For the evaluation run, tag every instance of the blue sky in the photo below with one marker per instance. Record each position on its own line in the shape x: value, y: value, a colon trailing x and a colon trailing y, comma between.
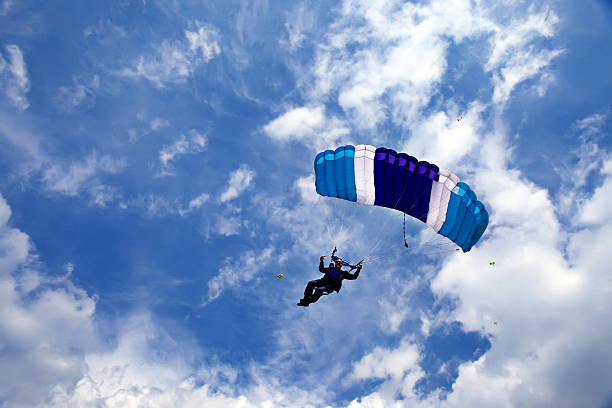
x: 156, y: 175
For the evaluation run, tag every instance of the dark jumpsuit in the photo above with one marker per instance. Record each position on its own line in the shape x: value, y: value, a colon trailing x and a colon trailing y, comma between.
x: 332, y: 281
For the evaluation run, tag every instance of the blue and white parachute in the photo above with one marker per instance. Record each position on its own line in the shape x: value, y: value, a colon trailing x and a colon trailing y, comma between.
x: 383, y: 177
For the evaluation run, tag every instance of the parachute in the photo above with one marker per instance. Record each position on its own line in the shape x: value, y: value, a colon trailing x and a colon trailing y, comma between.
x: 382, y: 177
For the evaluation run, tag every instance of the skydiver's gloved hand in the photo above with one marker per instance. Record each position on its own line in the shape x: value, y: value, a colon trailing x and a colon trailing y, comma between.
x: 321, y: 258
x: 359, y: 267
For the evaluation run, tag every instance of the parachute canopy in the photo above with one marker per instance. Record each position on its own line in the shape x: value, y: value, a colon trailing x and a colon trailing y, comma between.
x: 383, y: 177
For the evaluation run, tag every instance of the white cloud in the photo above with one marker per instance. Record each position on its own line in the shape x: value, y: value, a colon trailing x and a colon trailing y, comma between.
x: 596, y: 210
x: 588, y: 158
x: 228, y: 225
x: 296, y: 37
x: 237, y: 271
x: 14, y: 77
x: 441, y: 139
x: 309, y: 125
x: 544, y: 297
x: 195, y: 203
x: 195, y: 142
x: 102, y: 194
x: 518, y: 33
x: 383, y: 363
x: 174, y: 62
x: 296, y: 123
x: 592, y: 125
x: 72, y: 179
x: 239, y: 180
x: 514, y: 60
x: 45, y: 323
x: 52, y: 355
x: 520, y: 67
x: 306, y: 187
x: 71, y: 97
x: 137, y: 373
x: 398, y: 367
x: 534, y: 290
x: 384, y: 61
x: 159, y: 123
x: 299, y: 27
x: 205, y: 40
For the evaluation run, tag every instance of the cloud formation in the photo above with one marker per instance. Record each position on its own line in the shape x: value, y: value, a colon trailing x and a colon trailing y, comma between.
x: 174, y: 62
x: 52, y: 354
x: 46, y: 323
x: 383, y: 62
x: 237, y: 271
x: 239, y: 180
x: 71, y: 97
x: 195, y: 142
x: 14, y: 80
x: 195, y: 203
x: 76, y: 177
x: 306, y: 124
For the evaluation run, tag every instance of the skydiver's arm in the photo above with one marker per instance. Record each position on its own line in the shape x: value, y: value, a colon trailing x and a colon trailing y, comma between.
x: 321, y: 266
x: 351, y: 276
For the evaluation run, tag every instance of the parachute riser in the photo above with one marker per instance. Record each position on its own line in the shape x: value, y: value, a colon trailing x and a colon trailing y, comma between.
x: 344, y: 263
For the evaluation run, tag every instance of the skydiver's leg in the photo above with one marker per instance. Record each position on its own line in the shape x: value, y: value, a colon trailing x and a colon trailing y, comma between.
x: 320, y: 291
x: 311, y: 286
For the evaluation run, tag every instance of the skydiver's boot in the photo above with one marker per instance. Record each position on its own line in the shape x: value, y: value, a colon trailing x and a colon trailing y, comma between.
x: 303, y: 302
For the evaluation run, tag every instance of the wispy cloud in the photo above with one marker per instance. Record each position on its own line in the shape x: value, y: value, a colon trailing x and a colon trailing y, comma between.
x: 195, y: 142
x: 70, y: 179
x: 71, y: 97
x: 228, y: 226
x: 14, y: 77
x: 195, y: 203
x: 299, y: 27
x: 159, y: 123
x: 515, y: 59
x: 237, y: 271
x: 174, y: 62
x: 587, y: 158
x: 523, y: 65
x: 239, y: 180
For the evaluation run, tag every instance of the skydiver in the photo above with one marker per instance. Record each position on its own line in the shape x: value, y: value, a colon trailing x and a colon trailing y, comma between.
x: 331, y: 281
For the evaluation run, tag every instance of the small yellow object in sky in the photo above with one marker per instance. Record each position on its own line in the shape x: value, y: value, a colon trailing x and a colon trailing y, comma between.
x: 459, y: 118
x: 280, y: 275
x: 492, y: 263
x: 495, y: 322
